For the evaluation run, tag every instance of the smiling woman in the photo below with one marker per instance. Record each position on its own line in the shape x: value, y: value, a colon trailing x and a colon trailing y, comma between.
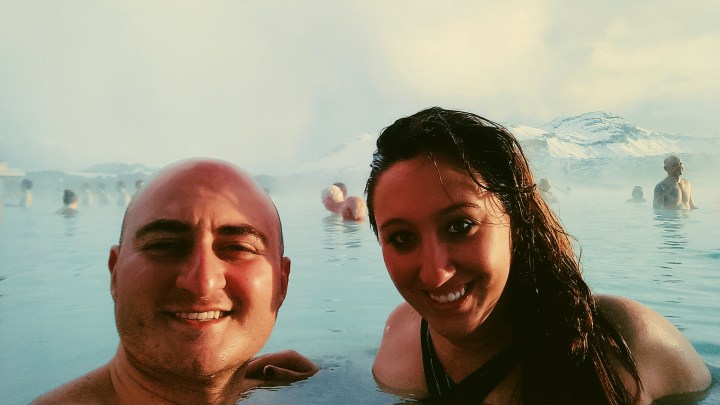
x: 496, y: 309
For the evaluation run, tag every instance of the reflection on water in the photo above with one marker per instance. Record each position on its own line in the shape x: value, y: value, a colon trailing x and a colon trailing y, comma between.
x: 673, y: 241
x: 339, y: 234
x: 339, y: 293
x: 70, y: 225
x: 671, y: 225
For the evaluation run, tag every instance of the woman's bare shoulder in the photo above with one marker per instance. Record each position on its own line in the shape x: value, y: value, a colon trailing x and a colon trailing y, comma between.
x: 398, y: 363
x: 94, y: 387
x: 667, y: 362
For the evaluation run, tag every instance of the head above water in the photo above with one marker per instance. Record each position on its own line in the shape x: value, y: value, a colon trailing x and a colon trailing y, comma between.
x: 342, y: 188
x: 673, y: 165
x: 332, y: 198
x: 637, y: 192
x: 354, y: 209
x: 488, y: 152
x: 199, y: 274
x: 69, y: 197
x: 543, y: 265
x: 544, y: 184
x: 182, y: 171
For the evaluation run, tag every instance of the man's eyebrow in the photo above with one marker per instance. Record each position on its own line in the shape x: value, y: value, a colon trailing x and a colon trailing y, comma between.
x: 234, y: 230
x: 163, y: 225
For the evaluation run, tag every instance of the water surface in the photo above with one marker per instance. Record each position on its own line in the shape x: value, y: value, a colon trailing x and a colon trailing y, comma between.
x: 56, y: 316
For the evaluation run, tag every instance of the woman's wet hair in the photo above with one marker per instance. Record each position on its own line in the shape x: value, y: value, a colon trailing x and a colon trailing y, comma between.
x: 570, y: 346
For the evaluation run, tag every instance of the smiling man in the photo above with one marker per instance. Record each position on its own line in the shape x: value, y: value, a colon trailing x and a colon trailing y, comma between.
x: 197, y: 279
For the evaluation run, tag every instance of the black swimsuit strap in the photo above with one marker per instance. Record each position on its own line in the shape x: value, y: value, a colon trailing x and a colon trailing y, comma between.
x: 474, y: 387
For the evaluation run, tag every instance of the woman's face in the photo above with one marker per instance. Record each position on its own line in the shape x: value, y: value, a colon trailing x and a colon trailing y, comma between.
x: 445, y: 241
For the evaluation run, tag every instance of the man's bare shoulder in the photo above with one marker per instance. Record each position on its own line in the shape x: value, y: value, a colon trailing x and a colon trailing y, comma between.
x: 92, y: 388
x: 663, y: 185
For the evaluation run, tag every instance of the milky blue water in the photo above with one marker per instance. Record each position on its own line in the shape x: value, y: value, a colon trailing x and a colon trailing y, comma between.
x: 56, y: 318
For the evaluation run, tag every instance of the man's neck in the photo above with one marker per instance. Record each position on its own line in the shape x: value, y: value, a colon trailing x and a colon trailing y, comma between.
x: 132, y: 385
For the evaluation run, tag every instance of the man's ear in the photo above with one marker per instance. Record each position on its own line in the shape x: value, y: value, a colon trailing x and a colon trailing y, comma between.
x: 284, y: 278
x: 112, y: 262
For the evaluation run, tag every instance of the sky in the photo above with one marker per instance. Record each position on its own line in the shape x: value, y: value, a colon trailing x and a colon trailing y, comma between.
x: 271, y: 84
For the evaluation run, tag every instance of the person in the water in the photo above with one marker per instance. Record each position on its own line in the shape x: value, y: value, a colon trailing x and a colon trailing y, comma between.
x: 26, y: 199
x: 123, y: 196
x: 197, y: 280
x: 354, y: 209
x: 336, y: 200
x: 70, y: 204
x: 496, y: 310
x: 673, y: 192
x: 332, y: 198
x: 637, y: 195
x: 544, y: 187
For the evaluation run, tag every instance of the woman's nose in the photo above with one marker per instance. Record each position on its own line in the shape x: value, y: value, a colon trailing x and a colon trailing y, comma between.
x: 436, y: 267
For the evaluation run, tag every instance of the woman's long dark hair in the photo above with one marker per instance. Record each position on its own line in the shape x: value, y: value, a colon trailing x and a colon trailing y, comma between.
x: 571, y: 348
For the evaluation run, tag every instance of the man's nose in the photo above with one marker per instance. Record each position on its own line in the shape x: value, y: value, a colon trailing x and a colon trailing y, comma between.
x: 203, y: 272
x: 436, y: 267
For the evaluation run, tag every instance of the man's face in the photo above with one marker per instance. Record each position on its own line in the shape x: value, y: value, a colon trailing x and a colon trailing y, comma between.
x: 199, y: 277
x: 674, y: 167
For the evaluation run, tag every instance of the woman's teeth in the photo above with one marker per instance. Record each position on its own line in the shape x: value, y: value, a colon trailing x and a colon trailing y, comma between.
x: 450, y: 297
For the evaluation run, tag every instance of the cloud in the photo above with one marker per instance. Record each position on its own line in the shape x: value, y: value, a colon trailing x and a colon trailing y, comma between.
x: 631, y: 63
x: 271, y: 84
x: 488, y: 53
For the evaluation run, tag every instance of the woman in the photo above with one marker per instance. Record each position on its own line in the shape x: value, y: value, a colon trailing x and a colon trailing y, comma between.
x: 496, y: 310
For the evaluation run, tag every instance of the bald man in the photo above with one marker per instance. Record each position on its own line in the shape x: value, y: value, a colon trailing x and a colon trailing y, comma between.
x: 672, y: 192
x: 197, y: 280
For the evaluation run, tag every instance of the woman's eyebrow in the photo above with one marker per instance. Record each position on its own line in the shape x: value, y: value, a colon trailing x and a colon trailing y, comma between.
x: 391, y: 222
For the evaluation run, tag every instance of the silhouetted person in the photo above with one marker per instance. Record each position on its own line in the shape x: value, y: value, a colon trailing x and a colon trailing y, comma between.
x: 26, y: 198
x: 637, y: 195
x: 70, y: 204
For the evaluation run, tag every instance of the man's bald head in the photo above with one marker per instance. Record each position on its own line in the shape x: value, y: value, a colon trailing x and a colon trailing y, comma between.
x: 671, y: 161
x: 191, y: 176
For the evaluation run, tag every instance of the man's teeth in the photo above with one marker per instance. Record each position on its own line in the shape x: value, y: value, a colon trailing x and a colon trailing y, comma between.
x: 450, y: 297
x: 199, y: 316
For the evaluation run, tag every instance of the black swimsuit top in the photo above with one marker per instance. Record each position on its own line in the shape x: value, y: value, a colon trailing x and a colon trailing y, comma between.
x: 475, y: 387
